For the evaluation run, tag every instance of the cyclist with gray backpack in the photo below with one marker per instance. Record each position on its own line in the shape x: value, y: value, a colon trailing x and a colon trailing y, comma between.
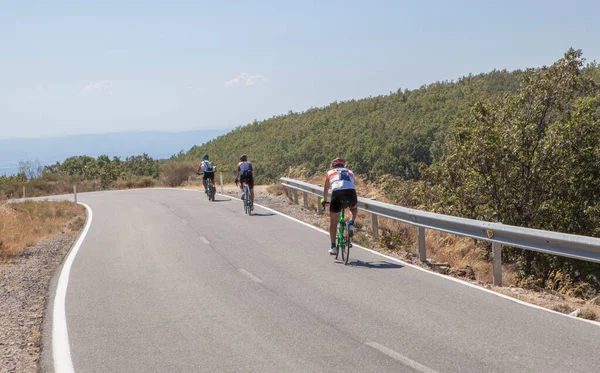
x: 208, y: 168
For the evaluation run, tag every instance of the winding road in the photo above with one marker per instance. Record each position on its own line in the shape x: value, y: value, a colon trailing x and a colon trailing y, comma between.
x: 166, y: 281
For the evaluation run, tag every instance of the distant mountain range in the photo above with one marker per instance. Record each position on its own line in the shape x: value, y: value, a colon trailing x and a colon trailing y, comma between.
x: 158, y: 145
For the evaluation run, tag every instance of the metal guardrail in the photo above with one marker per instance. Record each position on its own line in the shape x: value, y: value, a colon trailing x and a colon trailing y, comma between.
x: 563, y: 244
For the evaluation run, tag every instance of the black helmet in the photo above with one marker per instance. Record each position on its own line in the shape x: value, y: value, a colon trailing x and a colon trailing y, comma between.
x: 205, y: 156
x: 244, y: 158
x: 338, y: 162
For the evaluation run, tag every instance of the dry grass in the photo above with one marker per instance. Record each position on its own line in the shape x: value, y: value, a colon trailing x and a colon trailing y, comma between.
x: 24, y: 224
x: 275, y: 189
x: 554, y: 300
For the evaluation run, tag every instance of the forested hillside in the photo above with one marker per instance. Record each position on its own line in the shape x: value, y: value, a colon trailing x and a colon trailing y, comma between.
x: 390, y: 134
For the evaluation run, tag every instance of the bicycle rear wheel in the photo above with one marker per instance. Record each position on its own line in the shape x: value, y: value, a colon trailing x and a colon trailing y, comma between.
x: 346, y: 248
x: 212, y: 192
x: 247, y: 206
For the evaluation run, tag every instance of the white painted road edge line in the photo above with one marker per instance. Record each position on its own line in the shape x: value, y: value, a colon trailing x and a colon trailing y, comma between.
x: 401, y: 358
x: 450, y: 278
x: 61, y: 352
x: 249, y: 275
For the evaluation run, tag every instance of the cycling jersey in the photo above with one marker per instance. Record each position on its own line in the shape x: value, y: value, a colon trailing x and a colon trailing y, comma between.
x: 245, y: 168
x: 341, y: 179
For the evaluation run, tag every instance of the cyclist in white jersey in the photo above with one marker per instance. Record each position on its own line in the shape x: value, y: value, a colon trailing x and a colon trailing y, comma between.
x: 208, y: 169
x: 343, y: 194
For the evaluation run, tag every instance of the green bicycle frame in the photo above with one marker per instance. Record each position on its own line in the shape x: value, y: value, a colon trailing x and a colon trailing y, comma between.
x: 341, y: 228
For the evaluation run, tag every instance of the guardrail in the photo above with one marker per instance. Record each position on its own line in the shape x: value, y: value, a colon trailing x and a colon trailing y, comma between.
x: 498, y: 234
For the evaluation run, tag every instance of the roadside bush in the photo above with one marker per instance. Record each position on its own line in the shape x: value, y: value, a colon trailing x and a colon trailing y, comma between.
x: 175, y: 173
x: 146, y: 182
x: 127, y: 183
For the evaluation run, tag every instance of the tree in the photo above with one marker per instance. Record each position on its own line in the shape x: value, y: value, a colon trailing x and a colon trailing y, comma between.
x: 31, y: 169
x: 82, y: 166
x: 141, y: 165
x: 530, y: 159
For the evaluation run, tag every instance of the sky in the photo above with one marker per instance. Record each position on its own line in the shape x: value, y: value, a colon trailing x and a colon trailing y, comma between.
x: 73, y: 67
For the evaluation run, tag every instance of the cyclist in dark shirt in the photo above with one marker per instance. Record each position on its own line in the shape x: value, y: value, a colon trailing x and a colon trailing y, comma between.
x: 245, y: 174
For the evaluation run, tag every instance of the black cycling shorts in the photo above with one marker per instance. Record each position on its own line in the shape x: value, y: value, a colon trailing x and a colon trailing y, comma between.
x: 248, y: 179
x: 209, y: 175
x: 340, y: 199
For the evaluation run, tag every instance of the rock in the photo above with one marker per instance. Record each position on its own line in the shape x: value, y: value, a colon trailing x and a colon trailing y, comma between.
x: 442, y: 268
x: 466, y: 272
x: 575, y: 313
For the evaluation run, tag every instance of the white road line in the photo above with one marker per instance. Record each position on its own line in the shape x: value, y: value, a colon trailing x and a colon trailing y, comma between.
x: 204, y: 240
x: 61, y: 352
x: 249, y: 275
x: 401, y: 358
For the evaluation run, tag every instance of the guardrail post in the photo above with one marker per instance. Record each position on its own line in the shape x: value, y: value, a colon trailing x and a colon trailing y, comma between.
x: 497, y: 263
x: 319, y: 206
x: 296, y: 196
x: 422, y: 249
x: 375, y: 223
x: 75, y: 193
x: 305, y: 198
x: 221, y: 179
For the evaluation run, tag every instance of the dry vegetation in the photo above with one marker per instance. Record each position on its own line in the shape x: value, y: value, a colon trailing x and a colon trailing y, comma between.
x: 23, y: 225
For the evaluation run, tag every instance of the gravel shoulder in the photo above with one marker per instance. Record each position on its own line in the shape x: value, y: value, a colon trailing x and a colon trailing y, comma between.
x: 23, y: 294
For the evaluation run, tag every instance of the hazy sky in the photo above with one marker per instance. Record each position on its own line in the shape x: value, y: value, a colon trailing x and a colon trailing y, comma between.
x: 70, y: 67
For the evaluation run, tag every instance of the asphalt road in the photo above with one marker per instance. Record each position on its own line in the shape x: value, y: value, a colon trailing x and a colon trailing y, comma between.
x: 166, y: 281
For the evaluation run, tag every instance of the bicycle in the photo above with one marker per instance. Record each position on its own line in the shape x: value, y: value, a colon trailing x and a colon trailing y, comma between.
x: 248, y: 203
x: 343, y: 240
x: 211, y: 189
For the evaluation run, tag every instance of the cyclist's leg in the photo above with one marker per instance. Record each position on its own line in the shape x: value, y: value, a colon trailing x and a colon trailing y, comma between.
x: 354, y: 211
x: 251, y: 187
x: 351, y: 202
x: 333, y: 220
x: 242, y: 181
x: 334, y: 212
x: 204, y: 181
